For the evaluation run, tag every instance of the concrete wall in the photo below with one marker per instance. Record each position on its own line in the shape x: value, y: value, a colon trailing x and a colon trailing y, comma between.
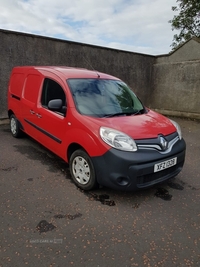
x: 168, y: 83
x: 190, y: 51
x: 177, y: 87
x: 17, y: 49
x: 176, y: 81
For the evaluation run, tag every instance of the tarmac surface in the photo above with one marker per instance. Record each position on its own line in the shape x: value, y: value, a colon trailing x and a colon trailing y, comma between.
x: 47, y: 222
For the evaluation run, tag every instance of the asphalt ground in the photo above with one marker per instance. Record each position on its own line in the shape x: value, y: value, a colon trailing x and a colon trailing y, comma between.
x: 46, y: 221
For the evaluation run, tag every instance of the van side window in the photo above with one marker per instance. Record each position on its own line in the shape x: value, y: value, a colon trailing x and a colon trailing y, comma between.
x: 52, y: 90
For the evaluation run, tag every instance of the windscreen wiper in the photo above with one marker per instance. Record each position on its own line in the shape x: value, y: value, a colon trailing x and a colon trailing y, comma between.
x: 121, y: 114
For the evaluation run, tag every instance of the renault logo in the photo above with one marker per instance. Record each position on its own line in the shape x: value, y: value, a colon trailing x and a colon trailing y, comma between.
x: 163, y: 143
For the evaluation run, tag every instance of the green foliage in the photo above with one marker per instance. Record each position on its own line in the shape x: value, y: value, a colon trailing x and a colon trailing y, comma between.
x: 187, y: 21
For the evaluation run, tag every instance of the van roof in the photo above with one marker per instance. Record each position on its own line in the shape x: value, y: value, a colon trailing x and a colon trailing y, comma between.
x: 68, y: 72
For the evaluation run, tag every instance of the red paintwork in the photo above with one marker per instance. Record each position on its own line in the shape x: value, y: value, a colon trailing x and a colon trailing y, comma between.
x: 76, y: 128
x: 139, y: 126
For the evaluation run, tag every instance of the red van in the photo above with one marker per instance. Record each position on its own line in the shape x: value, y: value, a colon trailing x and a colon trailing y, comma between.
x: 97, y: 124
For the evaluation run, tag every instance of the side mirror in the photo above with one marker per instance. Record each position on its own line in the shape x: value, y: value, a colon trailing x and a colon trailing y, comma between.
x: 55, y: 105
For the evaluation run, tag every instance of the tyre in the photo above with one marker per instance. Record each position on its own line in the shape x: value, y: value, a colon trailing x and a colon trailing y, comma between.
x: 14, y: 127
x: 82, y: 170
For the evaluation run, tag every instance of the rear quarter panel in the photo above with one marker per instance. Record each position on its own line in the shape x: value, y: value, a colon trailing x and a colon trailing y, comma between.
x: 15, y: 88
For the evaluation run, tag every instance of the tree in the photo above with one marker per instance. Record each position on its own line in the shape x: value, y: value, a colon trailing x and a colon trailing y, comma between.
x: 187, y: 21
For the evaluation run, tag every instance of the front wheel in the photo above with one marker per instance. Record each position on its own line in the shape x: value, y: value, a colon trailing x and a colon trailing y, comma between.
x: 82, y: 170
x: 14, y: 126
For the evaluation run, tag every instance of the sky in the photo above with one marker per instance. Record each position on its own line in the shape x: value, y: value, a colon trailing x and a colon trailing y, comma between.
x: 132, y: 25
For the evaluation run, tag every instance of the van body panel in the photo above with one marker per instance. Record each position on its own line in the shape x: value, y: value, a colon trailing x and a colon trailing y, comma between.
x: 14, y: 96
x: 120, y: 150
x: 32, y: 85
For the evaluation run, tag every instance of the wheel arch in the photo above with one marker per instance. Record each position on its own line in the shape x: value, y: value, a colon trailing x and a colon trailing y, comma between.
x: 73, y: 147
x: 10, y: 112
x: 81, y: 139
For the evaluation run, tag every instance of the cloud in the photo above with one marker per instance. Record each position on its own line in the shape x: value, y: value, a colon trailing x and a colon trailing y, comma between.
x: 133, y: 25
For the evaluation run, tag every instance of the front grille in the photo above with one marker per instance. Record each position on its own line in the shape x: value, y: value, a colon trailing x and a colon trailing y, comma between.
x: 155, y: 143
x: 153, y: 178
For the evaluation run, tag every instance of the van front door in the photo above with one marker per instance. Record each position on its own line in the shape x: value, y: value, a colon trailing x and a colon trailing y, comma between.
x: 51, y: 125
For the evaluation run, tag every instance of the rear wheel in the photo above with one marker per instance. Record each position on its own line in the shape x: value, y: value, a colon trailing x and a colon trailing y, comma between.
x: 14, y: 126
x: 82, y: 170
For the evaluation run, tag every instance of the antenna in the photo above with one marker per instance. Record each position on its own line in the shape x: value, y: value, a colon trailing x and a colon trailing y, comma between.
x: 98, y: 75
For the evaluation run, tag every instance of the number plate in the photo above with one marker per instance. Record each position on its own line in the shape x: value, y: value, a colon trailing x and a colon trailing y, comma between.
x: 165, y: 164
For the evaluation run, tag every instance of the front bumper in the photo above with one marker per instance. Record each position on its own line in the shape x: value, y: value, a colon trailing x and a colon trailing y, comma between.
x: 130, y: 171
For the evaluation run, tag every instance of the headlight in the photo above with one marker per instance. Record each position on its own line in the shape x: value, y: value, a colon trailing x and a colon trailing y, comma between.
x: 117, y: 139
x: 178, y: 128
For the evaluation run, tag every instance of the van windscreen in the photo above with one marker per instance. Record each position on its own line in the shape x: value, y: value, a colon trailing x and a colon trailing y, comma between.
x: 104, y: 98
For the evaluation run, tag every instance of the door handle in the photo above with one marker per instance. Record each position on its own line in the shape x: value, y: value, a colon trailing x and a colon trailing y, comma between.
x: 32, y: 112
x: 38, y: 115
